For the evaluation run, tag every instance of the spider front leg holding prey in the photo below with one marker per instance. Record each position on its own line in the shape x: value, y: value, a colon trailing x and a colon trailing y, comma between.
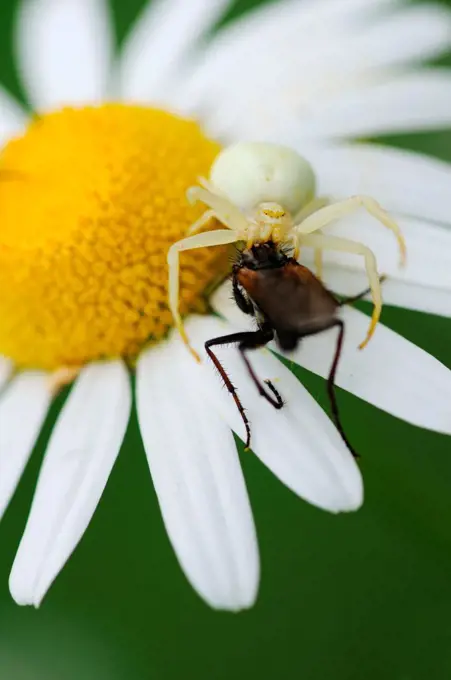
x: 264, y: 195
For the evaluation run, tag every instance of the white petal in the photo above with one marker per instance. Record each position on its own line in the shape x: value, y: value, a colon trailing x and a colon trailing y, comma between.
x: 392, y: 373
x: 271, y: 22
x: 23, y: 408
x: 298, y: 443
x: 402, y: 181
x: 235, y: 56
x: 427, y: 268
x: 411, y: 102
x: 81, y: 453
x: 198, y: 479
x: 411, y: 33
x: 64, y: 50
x: 159, y: 44
x: 395, y: 291
x: 6, y: 369
x: 315, y: 54
x: 13, y: 118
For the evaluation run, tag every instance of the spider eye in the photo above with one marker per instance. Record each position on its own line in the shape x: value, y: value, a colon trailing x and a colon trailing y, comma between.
x: 274, y: 213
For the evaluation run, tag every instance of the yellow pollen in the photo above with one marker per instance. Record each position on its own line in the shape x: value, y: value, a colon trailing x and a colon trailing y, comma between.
x: 90, y: 201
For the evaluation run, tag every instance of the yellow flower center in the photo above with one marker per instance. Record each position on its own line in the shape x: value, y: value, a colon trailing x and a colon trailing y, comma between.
x: 90, y: 201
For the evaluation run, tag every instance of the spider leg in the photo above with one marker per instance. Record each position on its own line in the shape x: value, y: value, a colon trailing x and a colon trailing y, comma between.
x: 335, y: 211
x: 312, y: 207
x: 208, y: 238
x: 347, y: 246
x: 318, y: 257
x: 199, y: 224
x: 225, y: 211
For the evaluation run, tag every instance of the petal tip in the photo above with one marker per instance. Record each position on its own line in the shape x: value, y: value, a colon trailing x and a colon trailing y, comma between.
x: 235, y: 606
x: 23, y: 593
x: 352, y: 501
x: 18, y: 591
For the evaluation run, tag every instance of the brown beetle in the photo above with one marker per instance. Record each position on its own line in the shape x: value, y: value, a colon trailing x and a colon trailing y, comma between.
x: 289, y: 303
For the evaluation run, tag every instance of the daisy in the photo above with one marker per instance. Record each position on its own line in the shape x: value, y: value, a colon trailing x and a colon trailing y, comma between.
x: 92, y: 196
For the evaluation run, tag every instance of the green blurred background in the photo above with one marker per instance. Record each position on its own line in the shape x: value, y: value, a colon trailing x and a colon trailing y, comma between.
x: 362, y: 596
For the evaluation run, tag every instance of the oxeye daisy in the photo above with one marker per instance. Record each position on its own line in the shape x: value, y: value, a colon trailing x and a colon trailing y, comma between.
x: 92, y: 194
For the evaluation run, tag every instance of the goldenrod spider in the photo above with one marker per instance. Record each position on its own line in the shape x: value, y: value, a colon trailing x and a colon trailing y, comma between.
x: 265, y: 192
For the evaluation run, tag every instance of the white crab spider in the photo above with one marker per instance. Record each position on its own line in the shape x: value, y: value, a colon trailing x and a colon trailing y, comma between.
x: 263, y: 192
